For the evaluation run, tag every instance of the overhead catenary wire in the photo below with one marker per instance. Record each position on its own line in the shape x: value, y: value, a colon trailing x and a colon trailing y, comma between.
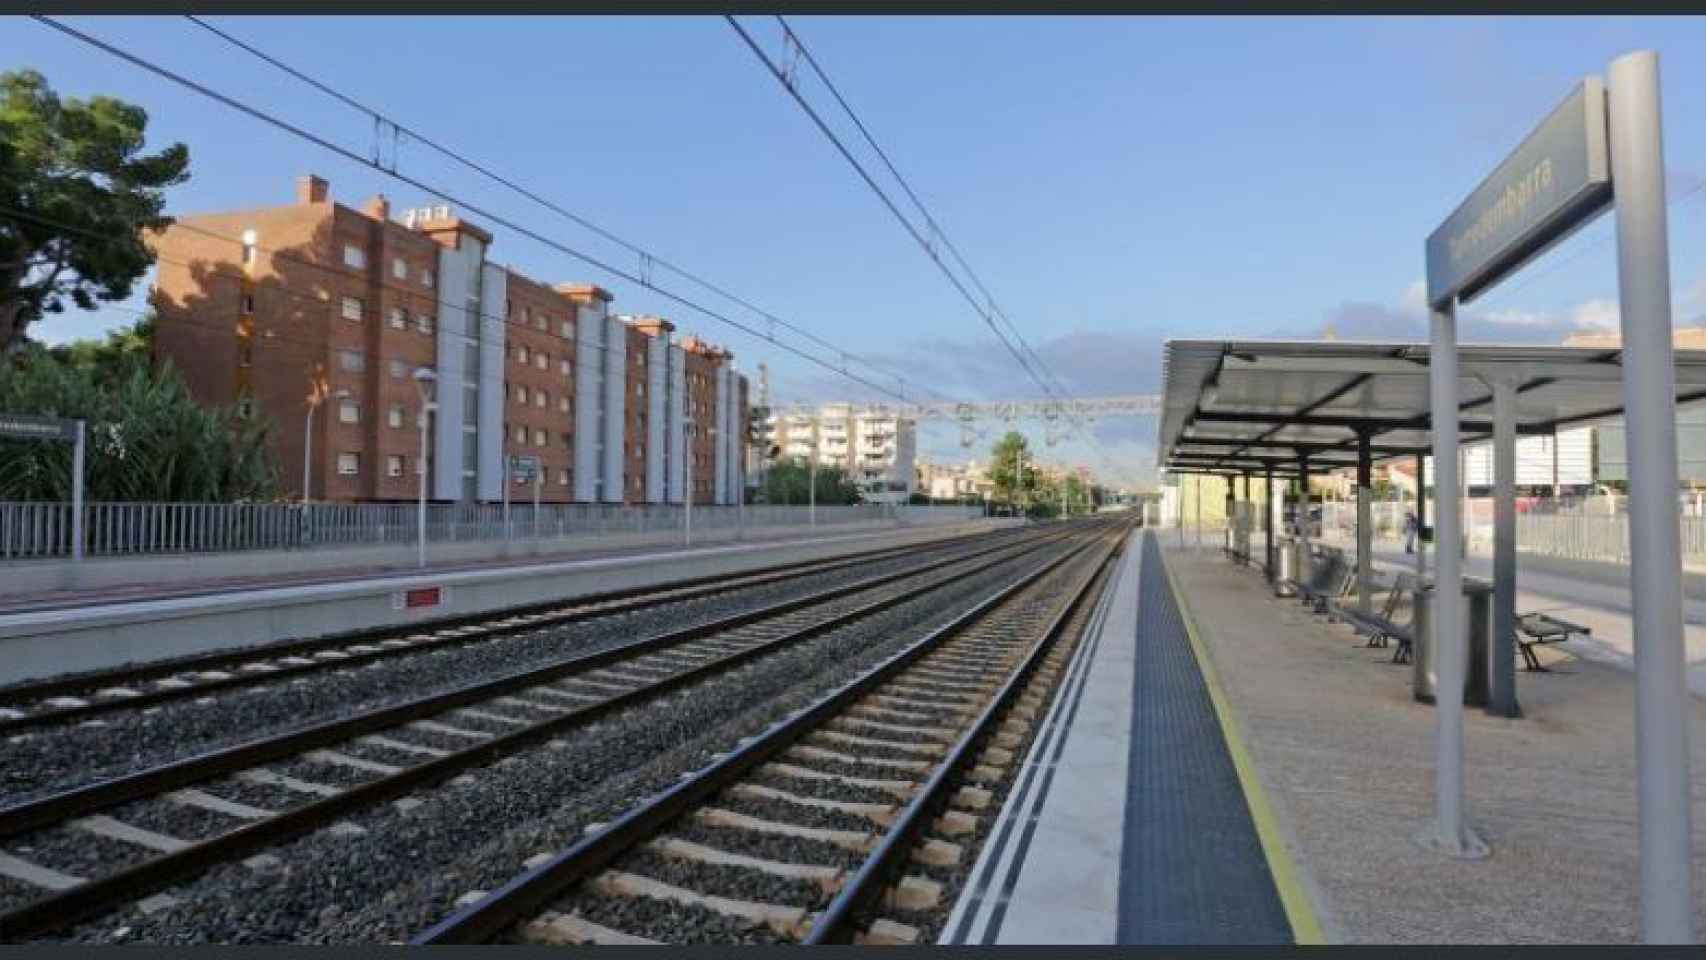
x: 935, y: 227
x: 647, y: 257
x: 445, y: 195
x: 987, y: 310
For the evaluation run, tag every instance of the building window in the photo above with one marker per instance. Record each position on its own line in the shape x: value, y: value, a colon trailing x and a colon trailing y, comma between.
x: 563, y: 367
x: 640, y: 390
x: 562, y: 478
x: 354, y: 256
x: 541, y: 399
x: 538, y: 438
x: 245, y: 352
x: 248, y: 304
x: 542, y: 361
x: 394, y: 416
x: 352, y: 361
x: 520, y: 434
x: 349, y: 411
x: 423, y: 323
x: 526, y: 315
x: 541, y: 322
x: 567, y: 329
x: 246, y: 407
x: 520, y: 394
x: 397, y: 370
x: 563, y: 403
x: 352, y: 308
x: 426, y: 278
x: 393, y: 466
x: 399, y: 318
x: 349, y: 464
x: 399, y: 269
x: 521, y: 354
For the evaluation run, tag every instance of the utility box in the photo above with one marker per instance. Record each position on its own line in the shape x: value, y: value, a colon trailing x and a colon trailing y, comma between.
x: 1476, y: 624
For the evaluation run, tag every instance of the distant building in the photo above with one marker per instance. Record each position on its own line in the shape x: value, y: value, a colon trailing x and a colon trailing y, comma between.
x: 875, y: 446
x: 269, y: 307
x: 1610, y: 456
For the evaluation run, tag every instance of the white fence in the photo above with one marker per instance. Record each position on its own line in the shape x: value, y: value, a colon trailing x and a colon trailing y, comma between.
x: 43, y: 530
x: 1594, y: 530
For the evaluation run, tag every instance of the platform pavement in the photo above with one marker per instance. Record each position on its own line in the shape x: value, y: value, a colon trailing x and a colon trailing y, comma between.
x: 1347, y: 757
x: 47, y: 600
x: 1129, y: 822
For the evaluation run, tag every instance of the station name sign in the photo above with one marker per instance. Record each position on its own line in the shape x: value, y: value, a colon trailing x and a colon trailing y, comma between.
x: 17, y: 426
x: 1554, y: 183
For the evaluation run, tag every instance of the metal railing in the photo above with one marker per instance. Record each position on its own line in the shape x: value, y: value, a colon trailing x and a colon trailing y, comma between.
x: 1594, y: 530
x: 30, y: 530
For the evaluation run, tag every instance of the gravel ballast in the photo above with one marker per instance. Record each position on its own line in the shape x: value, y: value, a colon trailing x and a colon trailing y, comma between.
x: 45, y: 761
x: 407, y: 869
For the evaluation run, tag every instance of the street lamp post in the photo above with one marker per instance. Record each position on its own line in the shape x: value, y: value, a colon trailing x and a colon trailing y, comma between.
x: 687, y: 506
x: 424, y: 381
x: 308, y: 440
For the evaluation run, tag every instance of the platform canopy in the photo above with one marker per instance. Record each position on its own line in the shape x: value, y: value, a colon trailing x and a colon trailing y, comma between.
x: 1235, y: 406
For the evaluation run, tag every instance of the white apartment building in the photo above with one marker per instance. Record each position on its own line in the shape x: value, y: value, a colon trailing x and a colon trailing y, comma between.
x: 874, y: 445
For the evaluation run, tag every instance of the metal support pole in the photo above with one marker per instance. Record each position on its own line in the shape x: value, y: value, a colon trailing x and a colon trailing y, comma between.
x: 1199, y: 511
x: 1365, y: 524
x: 687, y: 507
x: 1303, y: 521
x: 1662, y: 707
x: 77, y: 494
x: 1421, y: 519
x: 420, y: 513
x: 1501, y: 701
x: 538, y: 478
x: 506, y: 497
x: 1448, y: 833
x: 307, y: 450
x: 1268, y: 520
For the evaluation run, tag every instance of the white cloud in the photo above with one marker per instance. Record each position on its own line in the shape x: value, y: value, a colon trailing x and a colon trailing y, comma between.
x: 1597, y: 315
x: 1416, y: 297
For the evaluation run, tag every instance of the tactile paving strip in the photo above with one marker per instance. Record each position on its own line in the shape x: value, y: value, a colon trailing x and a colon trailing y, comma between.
x: 1193, y: 870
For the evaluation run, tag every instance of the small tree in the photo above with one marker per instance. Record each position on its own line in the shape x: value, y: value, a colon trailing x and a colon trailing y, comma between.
x: 1006, y: 471
x: 789, y: 482
x: 76, y: 195
x: 148, y: 439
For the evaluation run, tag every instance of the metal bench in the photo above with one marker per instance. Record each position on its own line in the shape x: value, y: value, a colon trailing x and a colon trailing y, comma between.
x: 1379, y: 626
x: 1537, y: 628
x: 1327, y: 581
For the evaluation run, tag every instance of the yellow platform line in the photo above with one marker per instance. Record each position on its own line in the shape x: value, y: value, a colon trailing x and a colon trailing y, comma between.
x: 1299, y: 911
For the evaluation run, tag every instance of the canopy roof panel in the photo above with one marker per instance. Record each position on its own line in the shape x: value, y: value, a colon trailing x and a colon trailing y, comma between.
x: 1230, y: 405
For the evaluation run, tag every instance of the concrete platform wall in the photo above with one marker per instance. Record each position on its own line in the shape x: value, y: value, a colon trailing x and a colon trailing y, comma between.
x: 22, y: 578
x: 40, y: 644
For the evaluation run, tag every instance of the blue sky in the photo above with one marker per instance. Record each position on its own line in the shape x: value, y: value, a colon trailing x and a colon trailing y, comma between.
x: 1114, y: 181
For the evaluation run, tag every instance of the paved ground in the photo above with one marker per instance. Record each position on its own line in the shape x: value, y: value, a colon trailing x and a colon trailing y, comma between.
x: 1346, y: 755
x: 1128, y: 823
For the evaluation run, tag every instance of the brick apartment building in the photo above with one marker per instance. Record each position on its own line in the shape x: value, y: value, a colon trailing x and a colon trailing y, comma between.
x: 279, y: 308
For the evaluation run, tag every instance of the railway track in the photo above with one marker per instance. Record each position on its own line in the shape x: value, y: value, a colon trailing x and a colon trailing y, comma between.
x: 825, y: 828
x: 311, y: 778
x: 83, y: 697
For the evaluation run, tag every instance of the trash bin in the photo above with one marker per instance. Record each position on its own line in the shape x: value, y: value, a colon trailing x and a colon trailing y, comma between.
x: 1285, y: 567
x: 1477, y: 625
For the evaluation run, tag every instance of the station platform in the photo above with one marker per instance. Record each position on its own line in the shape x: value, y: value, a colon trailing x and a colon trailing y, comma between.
x: 99, y: 629
x: 1347, y: 758
x: 1224, y: 767
x: 1134, y: 819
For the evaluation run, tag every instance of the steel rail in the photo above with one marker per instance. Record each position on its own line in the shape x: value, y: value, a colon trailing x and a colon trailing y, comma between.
x: 585, y: 608
x: 18, y: 818
x: 531, y: 892
x: 97, y: 895
x: 838, y: 923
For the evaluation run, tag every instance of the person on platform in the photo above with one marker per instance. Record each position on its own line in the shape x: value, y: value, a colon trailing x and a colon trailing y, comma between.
x: 1410, y: 526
